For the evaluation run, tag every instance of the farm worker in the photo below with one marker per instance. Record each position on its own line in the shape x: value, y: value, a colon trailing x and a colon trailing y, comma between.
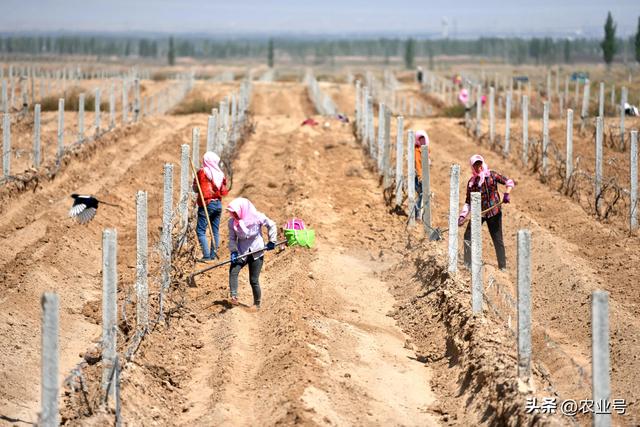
x: 245, y: 235
x: 421, y: 138
x: 463, y: 96
x: 419, y: 75
x: 213, y: 185
x: 486, y: 182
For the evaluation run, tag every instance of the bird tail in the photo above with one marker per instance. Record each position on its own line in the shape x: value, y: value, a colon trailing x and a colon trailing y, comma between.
x: 109, y: 204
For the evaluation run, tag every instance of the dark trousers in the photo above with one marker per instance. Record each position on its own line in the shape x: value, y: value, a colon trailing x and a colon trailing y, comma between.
x: 255, y: 266
x: 495, y: 229
x: 418, y: 187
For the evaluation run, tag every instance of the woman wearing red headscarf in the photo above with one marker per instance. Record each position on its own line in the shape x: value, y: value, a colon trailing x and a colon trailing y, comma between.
x: 485, y: 181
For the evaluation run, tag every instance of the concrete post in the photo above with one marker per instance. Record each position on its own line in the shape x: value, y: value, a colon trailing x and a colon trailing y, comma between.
x: 633, y: 214
x: 136, y: 105
x: 507, y: 125
x: 365, y: 116
x: 25, y: 99
x: 358, y: 111
x: 195, y: 146
x: 185, y: 172
x: 623, y: 100
x: 112, y: 107
x: 211, y: 131
x: 478, y: 111
x: 584, y: 115
x: 234, y: 114
x: 524, y: 305
x: 165, y: 239
x: 142, y: 286
x: 97, y: 111
x: 569, y: 160
x: 525, y: 130
x: 371, y: 130
x: 545, y: 137
x: 600, y: 357
x: 81, y: 118
x: 386, y: 152
x: 109, y: 304
x: 426, y: 189
x: 598, y: 183
x: 476, y: 254
x: 6, y: 145
x: 378, y: 151
x: 454, y: 195
x: 399, y: 159
x: 601, y: 100
x: 492, y: 115
x: 411, y: 176
x: 60, y: 128
x: 49, y: 386
x: 37, y: 156
x: 125, y: 102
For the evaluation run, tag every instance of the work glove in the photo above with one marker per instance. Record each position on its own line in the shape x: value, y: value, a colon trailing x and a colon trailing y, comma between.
x: 270, y: 246
x: 234, y: 257
x: 506, y: 198
x: 461, y: 220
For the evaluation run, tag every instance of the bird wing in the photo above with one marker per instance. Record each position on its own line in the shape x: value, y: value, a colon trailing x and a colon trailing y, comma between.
x: 86, y: 215
x: 77, y: 209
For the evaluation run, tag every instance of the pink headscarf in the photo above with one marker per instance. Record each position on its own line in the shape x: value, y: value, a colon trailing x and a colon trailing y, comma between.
x: 420, y: 133
x: 247, y: 213
x: 463, y: 96
x: 484, y: 173
x: 211, y: 169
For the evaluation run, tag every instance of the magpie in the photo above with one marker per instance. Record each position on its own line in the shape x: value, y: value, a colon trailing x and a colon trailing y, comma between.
x: 85, y: 207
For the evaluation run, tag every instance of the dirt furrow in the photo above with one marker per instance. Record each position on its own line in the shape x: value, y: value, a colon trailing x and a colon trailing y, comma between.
x: 568, y: 246
x: 54, y: 253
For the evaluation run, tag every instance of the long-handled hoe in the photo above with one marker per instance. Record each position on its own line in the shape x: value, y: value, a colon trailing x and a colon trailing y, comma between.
x: 192, y: 281
x: 295, y: 235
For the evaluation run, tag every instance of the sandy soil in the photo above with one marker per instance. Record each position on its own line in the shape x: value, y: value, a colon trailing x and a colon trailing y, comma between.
x: 365, y: 329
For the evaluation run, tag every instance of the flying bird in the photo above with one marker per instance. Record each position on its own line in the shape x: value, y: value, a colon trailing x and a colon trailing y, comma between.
x: 85, y: 207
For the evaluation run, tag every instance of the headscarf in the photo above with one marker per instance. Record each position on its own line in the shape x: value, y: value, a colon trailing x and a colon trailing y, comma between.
x: 484, y: 173
x: 212, y: 169
x: 463, y: 96
x: 247, y: 213
x: 418, y: 134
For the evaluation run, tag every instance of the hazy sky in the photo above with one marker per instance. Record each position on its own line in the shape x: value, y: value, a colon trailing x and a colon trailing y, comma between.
x: 320, y: 16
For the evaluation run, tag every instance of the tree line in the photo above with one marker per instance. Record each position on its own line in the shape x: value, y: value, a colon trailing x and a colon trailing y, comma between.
x: 534, y: 50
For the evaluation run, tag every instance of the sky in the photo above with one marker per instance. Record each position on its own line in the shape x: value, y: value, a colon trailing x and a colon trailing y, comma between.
x: 331, y: 17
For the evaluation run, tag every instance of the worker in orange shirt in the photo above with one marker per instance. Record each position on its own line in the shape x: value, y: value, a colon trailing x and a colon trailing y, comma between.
x: 421, y: 138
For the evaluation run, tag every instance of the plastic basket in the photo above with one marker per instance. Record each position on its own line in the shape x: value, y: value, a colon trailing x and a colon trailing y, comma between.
x: 306, y: 237
x: 295, y: 224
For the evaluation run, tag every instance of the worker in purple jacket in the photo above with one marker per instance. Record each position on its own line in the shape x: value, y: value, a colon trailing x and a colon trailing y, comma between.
x: 245, y: 235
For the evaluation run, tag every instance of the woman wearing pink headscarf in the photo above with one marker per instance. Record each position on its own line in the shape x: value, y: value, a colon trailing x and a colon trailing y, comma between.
x: 485, y: 181
x: 213, y: 185
x: 245, y: 235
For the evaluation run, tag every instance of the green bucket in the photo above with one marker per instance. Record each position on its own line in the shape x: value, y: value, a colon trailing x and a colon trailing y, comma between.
x: 306, y: 237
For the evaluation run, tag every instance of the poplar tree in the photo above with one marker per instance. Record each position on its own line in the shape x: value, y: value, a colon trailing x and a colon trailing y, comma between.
x: 609, y: 42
